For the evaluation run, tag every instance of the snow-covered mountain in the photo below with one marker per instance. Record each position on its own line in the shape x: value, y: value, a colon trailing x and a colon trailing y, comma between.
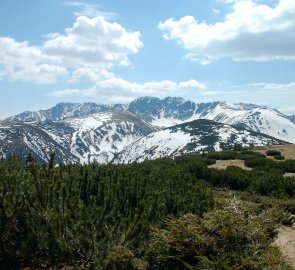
x: 64, y: 110
x: 191, y: 137
x: 172, y: 111
x: 101, y: 135
x: 80, y: 139
x: 21, y: 139
x: 146, y: 128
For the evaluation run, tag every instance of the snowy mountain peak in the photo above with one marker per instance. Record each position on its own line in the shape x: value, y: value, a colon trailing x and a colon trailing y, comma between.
x: 174, y: 110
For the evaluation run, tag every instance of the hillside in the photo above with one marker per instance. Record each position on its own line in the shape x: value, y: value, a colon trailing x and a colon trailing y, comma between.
x: 84, y: 139
x: 192, y: 137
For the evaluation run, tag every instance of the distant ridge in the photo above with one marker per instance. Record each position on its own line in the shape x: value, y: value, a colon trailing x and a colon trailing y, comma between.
x: 174, y: 110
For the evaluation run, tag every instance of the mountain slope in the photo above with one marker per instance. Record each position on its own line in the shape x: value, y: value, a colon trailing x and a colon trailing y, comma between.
x: 171, y: 111
x: 191, y: 137
x: 80, y: 139
x: 21, y: 139
x: 64, y: 110
x: 101, y: 135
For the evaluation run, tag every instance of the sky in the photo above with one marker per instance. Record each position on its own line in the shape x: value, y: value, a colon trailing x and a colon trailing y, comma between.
x: 111, y: 51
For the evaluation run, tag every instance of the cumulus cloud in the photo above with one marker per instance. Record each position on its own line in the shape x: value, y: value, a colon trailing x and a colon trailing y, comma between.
x: 117, y: 89
x: 91, y: 45
x: 22, y: 61
x: 93, y: 41
x: 85, y: 52
x: 251, y: 31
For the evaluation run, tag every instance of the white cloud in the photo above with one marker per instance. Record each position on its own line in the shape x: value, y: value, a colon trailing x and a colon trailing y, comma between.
x: 117, y: 86
x: 86, y: 52
x: 94, y: 42
x: 88, y: 73
x: 191, y: 84
x: 66, y: 92
x: 21, y: 61
x: 89, y: 10
x: 272, y: 86
x: 251, y: 31
x: 90, y: 46
x: 116, y: 89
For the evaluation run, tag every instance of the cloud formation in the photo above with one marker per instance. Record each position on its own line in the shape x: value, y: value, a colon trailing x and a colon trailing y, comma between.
x: 251, y: 31
x: 93, y: 44
x: 119, y: 90
x: 85, y: 52
x: 89, y: 10
x: 21, y: 61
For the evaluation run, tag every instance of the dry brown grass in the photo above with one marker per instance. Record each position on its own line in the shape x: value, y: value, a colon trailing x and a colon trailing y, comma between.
x: 287, y: 150
x: 223, y: 164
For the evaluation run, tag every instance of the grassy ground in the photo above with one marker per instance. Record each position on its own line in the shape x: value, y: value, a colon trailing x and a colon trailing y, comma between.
x: 286, y: 236
x: 288, y: 151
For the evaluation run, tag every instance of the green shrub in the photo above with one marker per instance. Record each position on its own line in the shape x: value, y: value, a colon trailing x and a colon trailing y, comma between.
x: 255, y: 162
x: 248, y: 152
x: 210, y: 161
x: 228, y: 155
x: 273, y: 153
x: 279, y: 157
x: 223, y: 155
x: 213, y: 155
x: 288, y: 165
x: 80, y: 215
x: 288, y: 221
x: 235, y: 237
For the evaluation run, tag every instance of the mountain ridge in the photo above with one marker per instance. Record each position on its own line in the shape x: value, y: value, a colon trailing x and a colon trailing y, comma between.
x: 146, y: 128
x: 81, y: 139
x: 197, y: 136
x: 171, y: 111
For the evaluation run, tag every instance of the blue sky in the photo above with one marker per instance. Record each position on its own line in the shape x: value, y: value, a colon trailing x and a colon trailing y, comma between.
x: 114, y: 51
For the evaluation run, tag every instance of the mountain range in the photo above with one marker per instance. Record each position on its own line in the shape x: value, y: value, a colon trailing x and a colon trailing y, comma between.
x: 146, y: 128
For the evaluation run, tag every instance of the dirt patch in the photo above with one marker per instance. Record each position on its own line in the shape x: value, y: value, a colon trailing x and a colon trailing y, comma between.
x: 223, y: 164
x: 286, y: 243
x: 287, y: 150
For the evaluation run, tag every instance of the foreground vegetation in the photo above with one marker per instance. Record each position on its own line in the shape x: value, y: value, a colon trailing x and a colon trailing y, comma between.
x: 163, y: 214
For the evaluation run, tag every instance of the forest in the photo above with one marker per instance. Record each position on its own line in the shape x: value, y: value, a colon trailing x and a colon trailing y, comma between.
x: 163, y: 214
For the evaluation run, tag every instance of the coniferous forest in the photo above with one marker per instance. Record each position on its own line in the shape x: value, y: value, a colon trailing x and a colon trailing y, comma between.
x: 163, y: 214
